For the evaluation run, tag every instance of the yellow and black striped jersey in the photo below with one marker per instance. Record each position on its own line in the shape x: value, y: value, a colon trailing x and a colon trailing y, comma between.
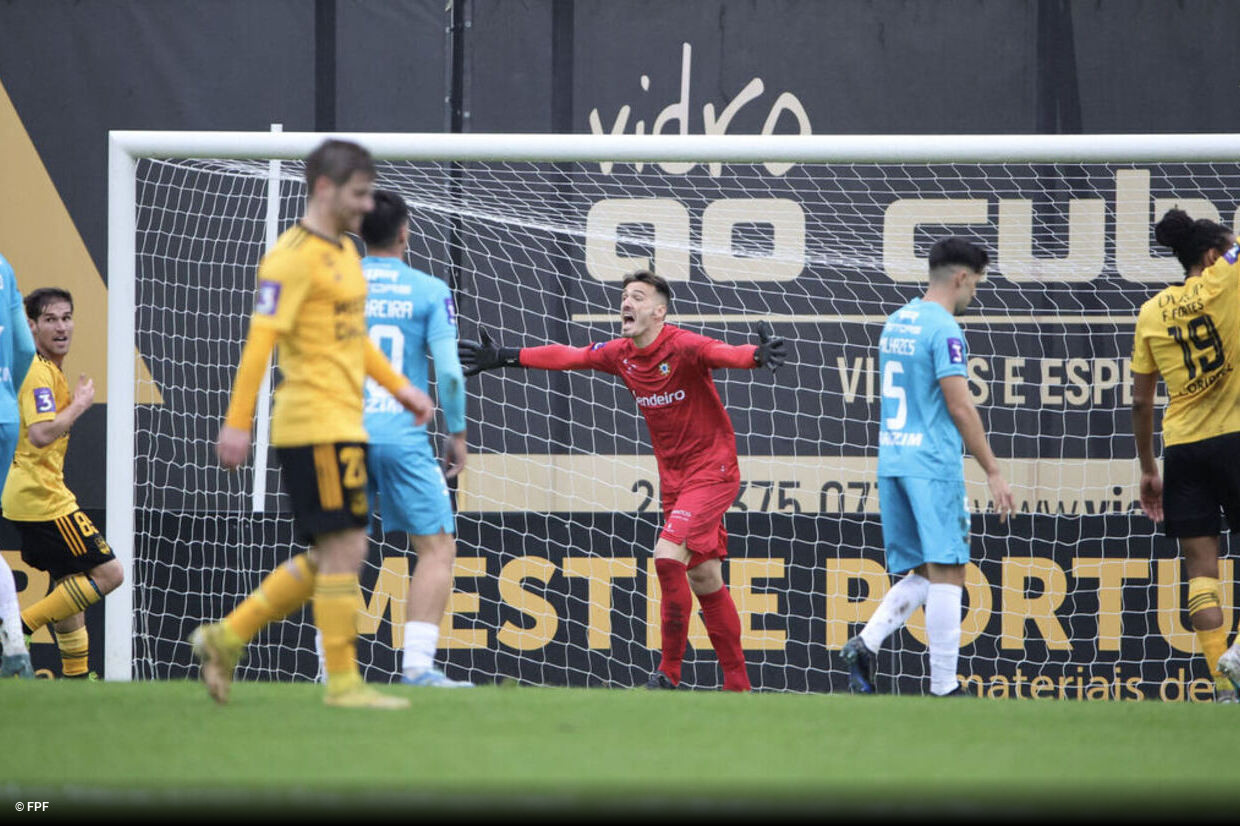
x: 312, y: 294
x: 1190, y: 333
x: 35, y: 490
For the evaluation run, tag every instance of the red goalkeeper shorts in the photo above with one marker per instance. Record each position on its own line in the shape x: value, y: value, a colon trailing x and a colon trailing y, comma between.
x: 693, y: 516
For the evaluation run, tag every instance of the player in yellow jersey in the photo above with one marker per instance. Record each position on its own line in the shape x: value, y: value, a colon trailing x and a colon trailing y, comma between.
x: 56, y: 535
x: 311, y: 301
x: 1190, y: 335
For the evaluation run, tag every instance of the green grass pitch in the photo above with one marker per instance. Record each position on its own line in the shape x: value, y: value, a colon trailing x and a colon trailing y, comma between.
x: 518, y: 752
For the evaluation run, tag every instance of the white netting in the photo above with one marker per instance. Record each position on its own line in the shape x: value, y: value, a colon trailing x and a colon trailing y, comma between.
x: 559, y: 502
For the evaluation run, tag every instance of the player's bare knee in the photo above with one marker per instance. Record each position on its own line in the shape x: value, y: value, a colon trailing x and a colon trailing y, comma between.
x: 340, y: 552
x: 947, y: 574
x: 438, y: 550
x: 707, y: 577
x: 1200, y: 555
x: 108, y: 576
x: 70, y: 623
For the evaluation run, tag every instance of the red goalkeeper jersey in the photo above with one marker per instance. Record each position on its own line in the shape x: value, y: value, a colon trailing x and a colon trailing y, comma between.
x: 672, y: 383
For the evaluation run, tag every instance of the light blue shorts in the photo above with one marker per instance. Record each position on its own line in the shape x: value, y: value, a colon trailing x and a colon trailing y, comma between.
x: 924, y: 520
x: 409, y: 488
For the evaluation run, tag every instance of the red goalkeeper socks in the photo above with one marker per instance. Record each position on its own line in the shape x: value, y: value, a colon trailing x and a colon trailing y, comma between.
x: 675, y: 604
x: 723, y: 625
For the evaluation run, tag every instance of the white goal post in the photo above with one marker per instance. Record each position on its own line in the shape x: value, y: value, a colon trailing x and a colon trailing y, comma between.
x: 821, y: 235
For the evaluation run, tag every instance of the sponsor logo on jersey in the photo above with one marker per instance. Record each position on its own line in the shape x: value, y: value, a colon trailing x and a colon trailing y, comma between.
x: 598, y: 345
x: 660, y: 399
x: 268, y: 298
x: 955, y: 351
x: 1233, y: 254
x: 44, y: 401
x: 900, y: 438
x: 450, y: 308
x: 376, y: 272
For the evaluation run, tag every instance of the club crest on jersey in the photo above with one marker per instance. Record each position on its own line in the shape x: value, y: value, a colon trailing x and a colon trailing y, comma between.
x: 664, y: 369
x: 955, y: 351
x: 268, y: 298
x: 1233, y: 254
x: 44, y: 401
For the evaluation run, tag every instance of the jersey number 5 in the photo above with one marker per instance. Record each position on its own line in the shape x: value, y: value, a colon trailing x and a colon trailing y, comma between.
x: 895, y: 392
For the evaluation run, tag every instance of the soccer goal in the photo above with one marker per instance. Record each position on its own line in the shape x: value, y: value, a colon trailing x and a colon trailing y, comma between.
x: 823, y: 236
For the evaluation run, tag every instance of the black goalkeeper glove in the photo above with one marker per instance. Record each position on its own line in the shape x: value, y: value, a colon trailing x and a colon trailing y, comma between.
x: 477, y: 356
x: 771, y: 350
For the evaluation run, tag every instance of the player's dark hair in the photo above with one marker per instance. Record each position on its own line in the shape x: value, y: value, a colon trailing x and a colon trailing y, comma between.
x: 337, y: 160
x: 381, y: 226
x: 647, y: 277
x: 957, y: 252
x: 40, y: 298
x: 1190, y: 240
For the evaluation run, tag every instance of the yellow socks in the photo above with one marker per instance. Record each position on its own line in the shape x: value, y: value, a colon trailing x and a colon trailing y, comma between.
x: 1203, y: 594
x: 74, y: 652
x: 335, y: 614
x: 73, y: 595
x: 283, y: 591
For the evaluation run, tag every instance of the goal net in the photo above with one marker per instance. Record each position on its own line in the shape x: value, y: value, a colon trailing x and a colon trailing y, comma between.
x: 1076, y: 597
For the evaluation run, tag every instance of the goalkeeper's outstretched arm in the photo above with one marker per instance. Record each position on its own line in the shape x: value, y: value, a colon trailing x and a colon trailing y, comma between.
x: 485, y: 354
x: 771, y: 351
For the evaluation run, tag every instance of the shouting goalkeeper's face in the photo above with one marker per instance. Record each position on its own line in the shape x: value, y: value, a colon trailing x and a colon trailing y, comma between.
x: 642, y: 311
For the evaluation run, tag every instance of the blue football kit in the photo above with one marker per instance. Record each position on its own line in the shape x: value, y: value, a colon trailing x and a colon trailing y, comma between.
x: 411, y: 318
x: 921, y: 492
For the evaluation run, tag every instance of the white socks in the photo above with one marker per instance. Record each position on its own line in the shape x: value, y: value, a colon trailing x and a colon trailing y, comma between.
x: 943, y: 603
x: 421, y: 641
x: 10, y: 612
x: 905, y: 597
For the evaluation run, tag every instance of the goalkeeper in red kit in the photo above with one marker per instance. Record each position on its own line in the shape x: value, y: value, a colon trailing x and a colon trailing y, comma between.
x: 669, y: 372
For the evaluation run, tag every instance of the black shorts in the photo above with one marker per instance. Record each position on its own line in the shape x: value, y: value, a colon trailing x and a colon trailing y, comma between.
x: 65, y: 546
x: 1201, y: 482
x: 327, y: 484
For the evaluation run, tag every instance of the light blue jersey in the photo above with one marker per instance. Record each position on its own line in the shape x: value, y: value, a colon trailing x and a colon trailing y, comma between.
x: 920, y: 344
x: 16, y: 344
x: 16, y: 352
x: 410, y: 315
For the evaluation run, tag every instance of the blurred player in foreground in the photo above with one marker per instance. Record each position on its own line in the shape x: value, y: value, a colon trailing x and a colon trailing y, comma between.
x: 311, y: 300
x: 927, y: 417
x: 1189, y: 334
x: 668, y: 371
